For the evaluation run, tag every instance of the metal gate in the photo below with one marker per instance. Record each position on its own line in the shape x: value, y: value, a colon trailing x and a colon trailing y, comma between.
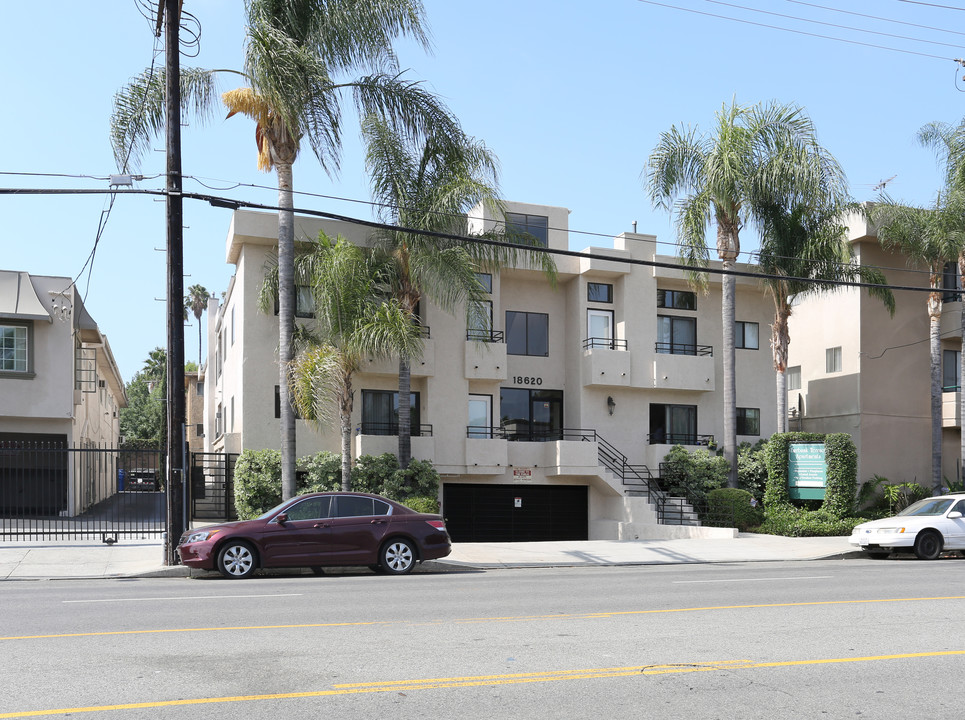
x: 51, y: 491
x: 212, y: 486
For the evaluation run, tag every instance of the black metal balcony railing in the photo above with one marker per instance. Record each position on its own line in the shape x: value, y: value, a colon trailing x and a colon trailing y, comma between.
x: 662, y: 438
x: 489, y: 336
x: 518, y: 432
x: 684, y: 349
x: 951, y: 388
x: 424, y: 331
x: 604, y: 344
x: 390, y: 428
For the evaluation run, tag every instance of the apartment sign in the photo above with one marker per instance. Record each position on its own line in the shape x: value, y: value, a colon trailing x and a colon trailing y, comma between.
x: 807, y: 471
x: 522, y: 474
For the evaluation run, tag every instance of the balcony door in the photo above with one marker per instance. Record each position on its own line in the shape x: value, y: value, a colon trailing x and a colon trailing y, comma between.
x: 480, y: 416
x: 531, y: 415
x: 599, y: 328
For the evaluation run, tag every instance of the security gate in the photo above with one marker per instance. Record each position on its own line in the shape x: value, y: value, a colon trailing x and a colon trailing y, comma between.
x: 212, y: 486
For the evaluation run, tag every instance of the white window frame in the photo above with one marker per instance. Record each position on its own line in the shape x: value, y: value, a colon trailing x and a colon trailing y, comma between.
x: 832, y: 360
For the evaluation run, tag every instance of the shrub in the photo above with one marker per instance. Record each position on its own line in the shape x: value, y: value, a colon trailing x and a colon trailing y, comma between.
x: 751, y: 469
x: 423, y: 504
x: 692, y: 475
x: 370, y: 472
x: 841, y: 458
x: 792, y: 522
x: 733, y: 505
x: 257, y: 482
x: 320, y: 472
x: 381, y: 475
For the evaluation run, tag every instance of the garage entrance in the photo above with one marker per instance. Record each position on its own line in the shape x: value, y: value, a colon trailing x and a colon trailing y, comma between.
x: 515, y: 513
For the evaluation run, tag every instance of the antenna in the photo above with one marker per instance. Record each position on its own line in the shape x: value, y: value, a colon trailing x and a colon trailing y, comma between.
x: 881, y: 186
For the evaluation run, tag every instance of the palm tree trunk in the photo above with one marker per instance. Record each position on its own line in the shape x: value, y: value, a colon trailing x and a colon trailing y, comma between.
x: 345, y: 418
x: 935, y: 344
x: 728, y: 287
x: 405, y: 416
x: 780, y: 340
x: 286, y: 324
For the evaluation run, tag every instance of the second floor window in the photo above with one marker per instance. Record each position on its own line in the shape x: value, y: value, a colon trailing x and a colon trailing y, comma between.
x: 677, y: 299
x: 832, y: 360
x: 380, y: 413
x: 792, y: 377
x: 479, y: 321
x: 749, y: 421
x: 676, y: 335
x: 13, y: 348
x: 951, y: 282
x: 537, y: 226
x: 527, y: 333
x: 599, y: 292
x: 951, y: 366
x: 746, y: 335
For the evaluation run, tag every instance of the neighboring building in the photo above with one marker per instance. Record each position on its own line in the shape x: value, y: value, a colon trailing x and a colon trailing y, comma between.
x: 194, y: 409
x: 59, y: 383
x: 853, y: 368
x: 611, y: 367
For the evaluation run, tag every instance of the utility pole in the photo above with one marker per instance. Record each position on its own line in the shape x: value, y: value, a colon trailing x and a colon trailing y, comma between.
x: 175, y: 269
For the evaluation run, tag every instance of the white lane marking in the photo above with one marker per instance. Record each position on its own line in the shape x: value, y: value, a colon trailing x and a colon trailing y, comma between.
x: 197, y: 597
x: 811, y: 577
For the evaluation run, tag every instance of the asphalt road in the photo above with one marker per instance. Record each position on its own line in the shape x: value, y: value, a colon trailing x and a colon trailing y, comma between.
x: 831, y: 639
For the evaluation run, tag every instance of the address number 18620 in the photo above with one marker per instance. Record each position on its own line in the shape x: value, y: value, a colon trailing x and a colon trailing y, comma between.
x: 527, y: 380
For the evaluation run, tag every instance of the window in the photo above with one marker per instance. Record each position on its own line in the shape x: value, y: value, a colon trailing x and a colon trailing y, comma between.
x: 951, y: 281
x: 832, y: 360
x: 356, y: 506
x: 486, y: 280
x: 199, y: 388
x: 232, y: 325
x: 527, y: 333
x: 673, y: 424
x: 479, y: 323
x: 480, y: 416
x: 599, y: 292
x: 792, y: 377
x: 676, y: 335
x: 537, y: 226
x: 278, y: 403
x: 380, y: 413
x: 304, y: 302
x: 599, y: 329
x: 531, y: 415
x: 748, y: 421
x: 746, y: 335
x: 315, y: 508
x: 14, y: 344
x: 951, y: 366
x: 677, y: 299
x: 199, y: 430
x: 231, y: 427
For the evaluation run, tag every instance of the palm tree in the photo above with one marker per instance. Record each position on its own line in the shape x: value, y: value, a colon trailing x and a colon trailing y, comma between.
x: 949, y: 144
x: 196, y: 301
x: 353, y: 321
x: 430, y: 186
x: 753, y: 155
x: 294, y: 51
x: 932, y: 237
x: 798, y: 246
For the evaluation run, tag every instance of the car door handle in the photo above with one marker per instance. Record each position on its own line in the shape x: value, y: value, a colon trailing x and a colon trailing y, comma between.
x: 377, y: 522
x: 321, y: 525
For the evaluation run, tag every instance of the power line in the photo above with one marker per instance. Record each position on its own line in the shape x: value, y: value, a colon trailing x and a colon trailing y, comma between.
x: 790, y: 30
x: 875, y: 17
x: 943, y: 7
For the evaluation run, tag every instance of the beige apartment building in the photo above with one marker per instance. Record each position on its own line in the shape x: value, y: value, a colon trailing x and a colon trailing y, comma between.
x: 539, y: 423
x: 853, y: 368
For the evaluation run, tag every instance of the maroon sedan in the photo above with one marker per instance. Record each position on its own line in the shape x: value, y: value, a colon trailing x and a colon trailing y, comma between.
x: 317, y: 530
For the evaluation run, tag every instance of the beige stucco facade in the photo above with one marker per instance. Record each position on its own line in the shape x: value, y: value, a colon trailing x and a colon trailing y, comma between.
x: 610, y: 389
x: 881, y: 395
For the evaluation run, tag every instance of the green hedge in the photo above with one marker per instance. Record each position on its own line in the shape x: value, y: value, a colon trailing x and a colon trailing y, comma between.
x: 842, y: 462
x: 733, y: 505
x: 794, y: 522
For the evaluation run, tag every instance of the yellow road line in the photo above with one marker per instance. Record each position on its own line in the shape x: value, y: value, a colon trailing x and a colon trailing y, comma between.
x: 485, y: 680
x: 520, y: 618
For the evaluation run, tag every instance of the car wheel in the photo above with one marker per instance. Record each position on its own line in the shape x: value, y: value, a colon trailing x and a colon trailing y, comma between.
x: 397, y: 557
x: 236, y: 560
x: 928, y: 545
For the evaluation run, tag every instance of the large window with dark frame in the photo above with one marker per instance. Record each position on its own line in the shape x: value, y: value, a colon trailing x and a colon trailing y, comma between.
x: 746, y: 335
x: 951, y: 282
x: 951, y: 370
x: 676, y: 335
x: 536, y: 226
x: 380, y: 413
x: 673, y: 424
x: 749, y: 421
x: 531, y: 415
x: 599, y: 292
x: 677, y: 299
x: 527, y: 333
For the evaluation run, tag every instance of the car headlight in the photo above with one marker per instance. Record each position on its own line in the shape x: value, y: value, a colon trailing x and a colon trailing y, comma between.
x: 200, y: 536
x: 897, y: 530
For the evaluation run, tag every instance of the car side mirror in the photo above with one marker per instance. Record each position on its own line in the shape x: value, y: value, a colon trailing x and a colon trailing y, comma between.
x: 281, y: 518
x: 954, y: 515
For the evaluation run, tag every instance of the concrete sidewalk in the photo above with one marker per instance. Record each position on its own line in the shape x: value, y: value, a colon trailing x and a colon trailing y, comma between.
x: 145, y: 558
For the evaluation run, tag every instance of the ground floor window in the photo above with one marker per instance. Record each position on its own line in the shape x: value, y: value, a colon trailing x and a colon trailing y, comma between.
x: 531, y: 415
x: 673, y: 424
x: 748, y: 421
x: 380, y: 412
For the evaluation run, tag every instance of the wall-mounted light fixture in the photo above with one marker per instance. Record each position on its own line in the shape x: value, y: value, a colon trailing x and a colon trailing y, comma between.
x: 610, y: 404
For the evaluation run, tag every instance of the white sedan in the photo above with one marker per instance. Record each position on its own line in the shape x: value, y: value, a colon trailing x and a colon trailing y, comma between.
x: 927, y: 528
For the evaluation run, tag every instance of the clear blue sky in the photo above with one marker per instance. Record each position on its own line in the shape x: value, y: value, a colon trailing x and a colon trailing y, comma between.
x: 571, y: 95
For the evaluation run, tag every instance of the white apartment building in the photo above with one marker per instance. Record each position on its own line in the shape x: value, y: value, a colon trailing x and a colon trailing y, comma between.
x: 533, y: 425
x: 853, y: 368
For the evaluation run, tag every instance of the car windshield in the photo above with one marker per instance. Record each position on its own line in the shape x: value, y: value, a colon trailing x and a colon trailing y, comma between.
x: 269, y: 513
x: 929, y: 506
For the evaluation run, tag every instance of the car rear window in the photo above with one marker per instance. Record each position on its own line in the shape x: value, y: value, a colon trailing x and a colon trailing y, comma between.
x: 354, y: 506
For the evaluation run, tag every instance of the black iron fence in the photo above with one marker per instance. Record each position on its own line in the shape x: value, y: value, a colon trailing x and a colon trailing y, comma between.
x: 212, y: 486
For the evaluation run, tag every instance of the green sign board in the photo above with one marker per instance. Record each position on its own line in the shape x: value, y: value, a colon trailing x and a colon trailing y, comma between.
x: 807, y: 472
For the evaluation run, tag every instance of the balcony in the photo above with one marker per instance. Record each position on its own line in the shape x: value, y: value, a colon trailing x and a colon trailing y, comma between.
x: 380, y: 438
x: 485, y: 355
x: 606, y: 362
x: 420, y: 367
x: 684, y: 367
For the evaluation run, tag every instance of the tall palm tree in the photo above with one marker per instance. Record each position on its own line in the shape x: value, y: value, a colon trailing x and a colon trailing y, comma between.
x: 753, y: 154
x: 294, y: 52
x: 799, y: 245
x: 949, y: 144
x: 353, y: 321
x: 196, y: 301
x: 430, y: 185
x: 932, y: 237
